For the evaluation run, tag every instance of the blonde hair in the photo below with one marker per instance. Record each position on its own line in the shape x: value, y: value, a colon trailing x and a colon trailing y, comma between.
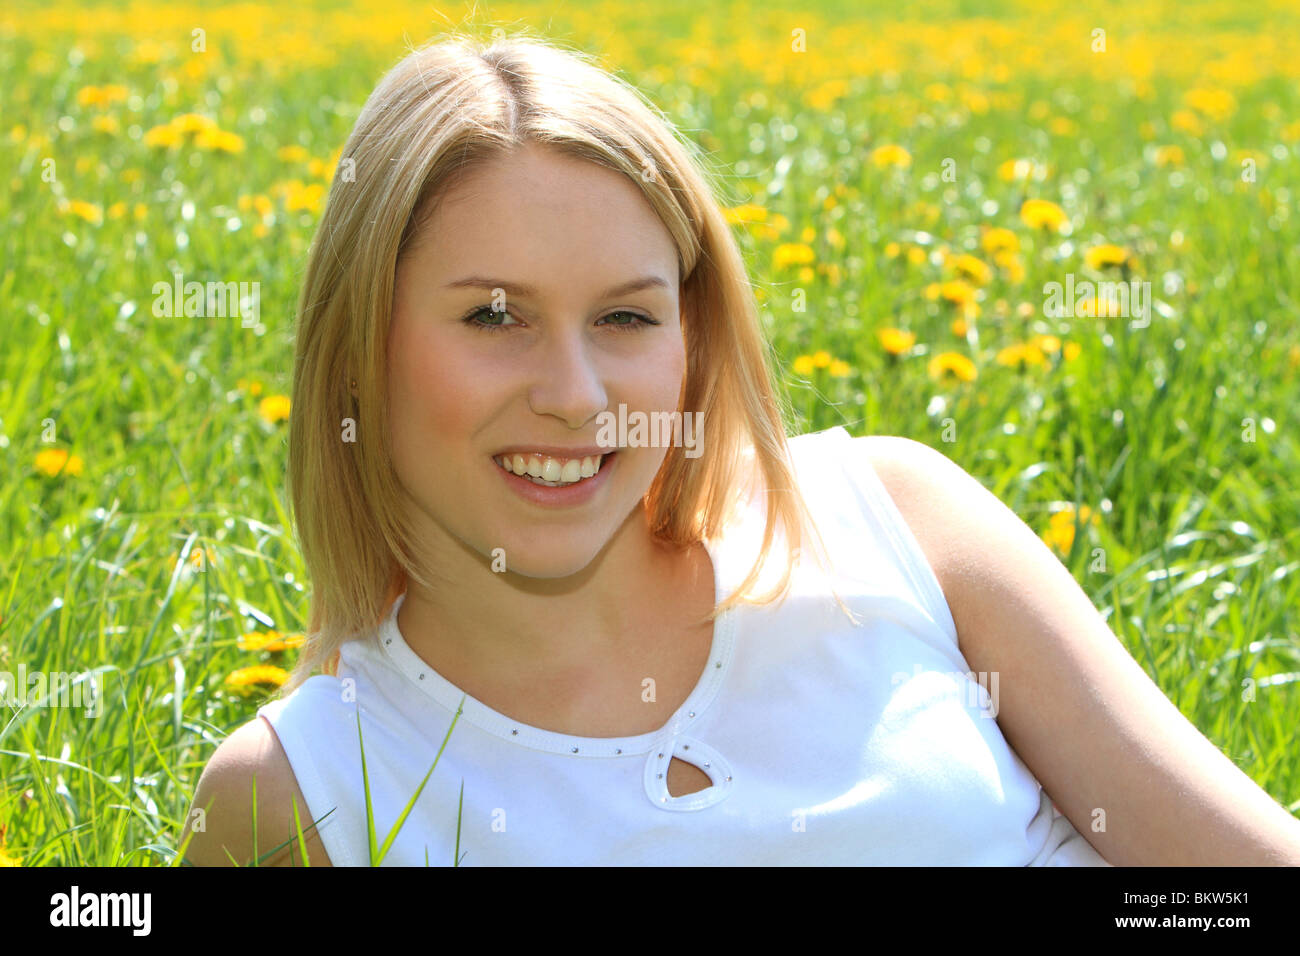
x: 443, y: 109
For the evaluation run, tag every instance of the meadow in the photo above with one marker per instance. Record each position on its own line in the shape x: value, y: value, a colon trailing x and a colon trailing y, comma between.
x: 906, y: 187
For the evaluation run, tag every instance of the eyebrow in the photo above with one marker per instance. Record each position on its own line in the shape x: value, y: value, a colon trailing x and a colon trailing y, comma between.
x: 521, y: 290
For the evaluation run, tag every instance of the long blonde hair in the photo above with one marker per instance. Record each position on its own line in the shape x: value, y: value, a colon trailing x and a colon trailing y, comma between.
x: 443, y: 109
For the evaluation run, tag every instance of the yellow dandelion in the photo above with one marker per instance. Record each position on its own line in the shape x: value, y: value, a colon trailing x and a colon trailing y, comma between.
x: 747, y: 213
x: 953, y: 364
x: 117, y: 210
x: 803, y: 365
x: 1047, y: 343
x: 916, y: 255
x: 219, y: 140
x: 1071, y: 351
x: 792, y: 253
x: 1217, y: 104
x: 972, y: 268
x: 957, y: 291
x: 102, y: 95
x: 1010, y: 263
x: 1105, y: 255
x: 105, y: 124
x: 163, y: 136
x: 57, y: 461
x: 1042, y: 214
x: 292, y: 153
x: 274, y: 408
x: 1063, y: 126
x: 835, y: 238
x: 192, y: 123
x: 892, y: 250
x: 1187, y: 122
x: 248, y: 678
x: 1061, y: 525
x: 268, y: 641
x: 1021, y: 356
x: 1169, y: 156
x: 821, y: 358
x: 891, y: 154
x: 88, y: 211
x: 999, y: 239
x: 1014, y: 170
x: 1107, y: 307
x: 896, y: 341
x: 959, y: 328
x: 840, y: 369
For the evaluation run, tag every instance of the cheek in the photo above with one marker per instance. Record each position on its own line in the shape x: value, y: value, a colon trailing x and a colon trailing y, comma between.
x: 430, y: 392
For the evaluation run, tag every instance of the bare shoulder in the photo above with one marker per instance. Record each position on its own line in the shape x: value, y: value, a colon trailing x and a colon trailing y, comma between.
x: 221, y: 820
x: 1125, y: 766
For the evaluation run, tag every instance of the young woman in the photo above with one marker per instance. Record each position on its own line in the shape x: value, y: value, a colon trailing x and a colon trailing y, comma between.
x: 688, y: 645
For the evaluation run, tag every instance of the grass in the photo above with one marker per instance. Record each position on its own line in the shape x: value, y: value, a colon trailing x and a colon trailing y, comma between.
x: 144, y: 558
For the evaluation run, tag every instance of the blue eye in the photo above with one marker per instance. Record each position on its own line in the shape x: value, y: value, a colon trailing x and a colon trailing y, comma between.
x: 642, y: 321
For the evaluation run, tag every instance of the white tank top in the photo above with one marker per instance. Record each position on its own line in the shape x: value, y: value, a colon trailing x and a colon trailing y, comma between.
x: 827, y: 744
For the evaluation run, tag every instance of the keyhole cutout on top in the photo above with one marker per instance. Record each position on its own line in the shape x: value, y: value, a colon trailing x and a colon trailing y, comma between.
x: 686, y: 778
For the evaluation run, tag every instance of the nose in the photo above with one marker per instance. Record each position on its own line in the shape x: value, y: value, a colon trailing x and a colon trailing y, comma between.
x: 567, y: 381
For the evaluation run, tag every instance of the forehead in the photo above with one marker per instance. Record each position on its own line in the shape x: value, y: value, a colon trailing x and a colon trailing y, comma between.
x: 541, y: 215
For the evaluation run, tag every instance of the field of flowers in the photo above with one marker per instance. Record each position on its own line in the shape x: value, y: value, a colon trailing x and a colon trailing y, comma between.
x: 929, y: 207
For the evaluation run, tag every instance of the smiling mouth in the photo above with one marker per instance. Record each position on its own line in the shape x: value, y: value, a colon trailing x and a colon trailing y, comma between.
x: 551, y: 472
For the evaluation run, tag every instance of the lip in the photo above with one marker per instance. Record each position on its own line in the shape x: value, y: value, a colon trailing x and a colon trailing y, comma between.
x: 568, y: 496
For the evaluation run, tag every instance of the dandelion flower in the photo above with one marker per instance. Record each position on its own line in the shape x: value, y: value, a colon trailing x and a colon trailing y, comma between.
x: 1169, y: 156
x: 292, y: 153
x: 974, y: 269
x: 840, y: 369
x: 1060, y: 530
x: 803, y: 365
x: 56, y: 461
x: 88, y: 211
x: 274, y: 408
x: 1105, y: 255
x: 954, y: 364
x: 247, y: 678
x: 896, y: 341
x: 1040, y: 213
x: 268, y: 641
x: 792, y: 253
x: 891, y: 154
x: 747, y: 213
x: 1021, y: 356
x: 999, y: 239
x: 821, y: 358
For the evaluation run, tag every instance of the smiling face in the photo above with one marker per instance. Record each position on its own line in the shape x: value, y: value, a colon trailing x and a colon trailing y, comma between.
x: 547, y: 237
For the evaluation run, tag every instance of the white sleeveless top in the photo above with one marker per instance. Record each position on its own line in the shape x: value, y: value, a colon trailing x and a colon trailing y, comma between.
x: 827, y: 743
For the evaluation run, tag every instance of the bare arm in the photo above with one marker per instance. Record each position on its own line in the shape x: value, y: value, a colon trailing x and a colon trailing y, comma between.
x: 1075, y: 706
x: 225, y: 794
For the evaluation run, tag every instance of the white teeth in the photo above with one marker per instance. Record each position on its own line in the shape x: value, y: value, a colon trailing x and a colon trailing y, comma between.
x: 551, y: 472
